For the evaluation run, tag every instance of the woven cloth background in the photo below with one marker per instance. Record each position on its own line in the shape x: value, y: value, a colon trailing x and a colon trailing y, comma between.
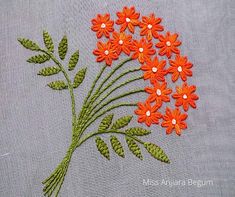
x: 35, y: 122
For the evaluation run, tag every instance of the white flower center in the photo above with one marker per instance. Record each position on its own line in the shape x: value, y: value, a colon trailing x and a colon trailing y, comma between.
x: 106, y: 52
x: 168, y: 43
x: 150, y: 26
x: 120, y: 42
x: 185, y: 96
x: 154, y: 69
x: 128, y: 20
x: 180, y: 69
x: 159, y: 92
x: 141, y: 50
x: 103, y: 26
x: 148, y: 113
x: 173, y: 121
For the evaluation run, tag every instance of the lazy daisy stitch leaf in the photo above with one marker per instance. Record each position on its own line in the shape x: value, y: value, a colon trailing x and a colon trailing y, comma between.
x: 158, y: 55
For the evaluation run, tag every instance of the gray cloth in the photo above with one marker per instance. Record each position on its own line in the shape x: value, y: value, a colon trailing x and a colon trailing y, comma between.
x: 35, y: 122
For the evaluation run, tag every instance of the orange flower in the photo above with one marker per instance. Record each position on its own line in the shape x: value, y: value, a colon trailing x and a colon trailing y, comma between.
x: 102, y: 25
x: 105, y: 52
x: 128, y: 18
x: 121, y: 42
x: 158, y: 93
x: 180, y: 67
x: 185, y: 96
x: 168, y: 44
x: 174, y: 120
x: 142, y: 50
x: 150, y: 26
x: 154, y: 70
x: 148, y: 114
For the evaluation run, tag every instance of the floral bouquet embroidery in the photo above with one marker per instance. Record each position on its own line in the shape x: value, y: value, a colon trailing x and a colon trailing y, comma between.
x: 149, y: 50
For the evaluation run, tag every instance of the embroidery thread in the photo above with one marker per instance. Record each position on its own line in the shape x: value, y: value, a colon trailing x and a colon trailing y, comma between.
x: 97, y: 105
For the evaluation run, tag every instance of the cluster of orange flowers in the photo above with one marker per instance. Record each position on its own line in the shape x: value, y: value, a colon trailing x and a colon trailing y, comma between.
x: 154, y: 68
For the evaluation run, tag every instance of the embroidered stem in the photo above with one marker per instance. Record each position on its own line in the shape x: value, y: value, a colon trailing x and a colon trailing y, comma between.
x: 117, y: 87
x: 85, y: 138
x: 70, y: 86
x: 114, y: 99
x: 106, y: 111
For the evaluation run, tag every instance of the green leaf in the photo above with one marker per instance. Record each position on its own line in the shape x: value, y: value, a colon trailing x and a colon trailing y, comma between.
x: 137, y: 131
x: 28, y: 44
x: 122, y: 122
x: 63, y: 47
x: 156, y: 152
x: 58, y: 85
x: 49, y: 71
x: 39, y: 59
x: 105, y: 123
x: 102, y: 147
x: 48, y: 41
x: 117, y: 146
x: 79, y: 77
x: 134, y: 148
x: 73, y: 60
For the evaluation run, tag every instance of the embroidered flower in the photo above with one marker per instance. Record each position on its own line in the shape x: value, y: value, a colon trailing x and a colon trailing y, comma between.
x: 154, y: 70
x: 128, y: 18
x: 159, y: 93
x: 142, y: 50
x: 105, y: 52
x: 185, y: 96
x: 150, y: 26
x: 102, y: 25
x: 168, y: 44
x: 174, y: 120
x: 180, y: 67
x: 148, y: 113
x: 121, y: 42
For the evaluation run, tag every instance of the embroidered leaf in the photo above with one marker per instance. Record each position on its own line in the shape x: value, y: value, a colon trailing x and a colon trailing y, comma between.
x: 137, y: 131
x: 28, y: 44
x: 122, y: 122
x: 117, y: 146
x: 38, y: 59
x: 73, y: 60
x: 48, y: 41
x: 49, y: 71
x: 105, y: 123
x: 63, y: 47
x: 156, y: 152
x: 58, y: 85
x: 79, y: 77
x: 102, y: 147
x: 134, y: 148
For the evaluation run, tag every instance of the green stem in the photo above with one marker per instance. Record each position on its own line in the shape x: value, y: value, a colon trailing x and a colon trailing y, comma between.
x: 117, y: 87
x: 85, y: 138
x: 114, y: 99
x: 70, y: 86
x: 104, y: 112
x: 88, y: 104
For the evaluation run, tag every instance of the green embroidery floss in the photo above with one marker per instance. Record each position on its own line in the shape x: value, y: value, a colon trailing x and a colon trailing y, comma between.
x: 91, y: 109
